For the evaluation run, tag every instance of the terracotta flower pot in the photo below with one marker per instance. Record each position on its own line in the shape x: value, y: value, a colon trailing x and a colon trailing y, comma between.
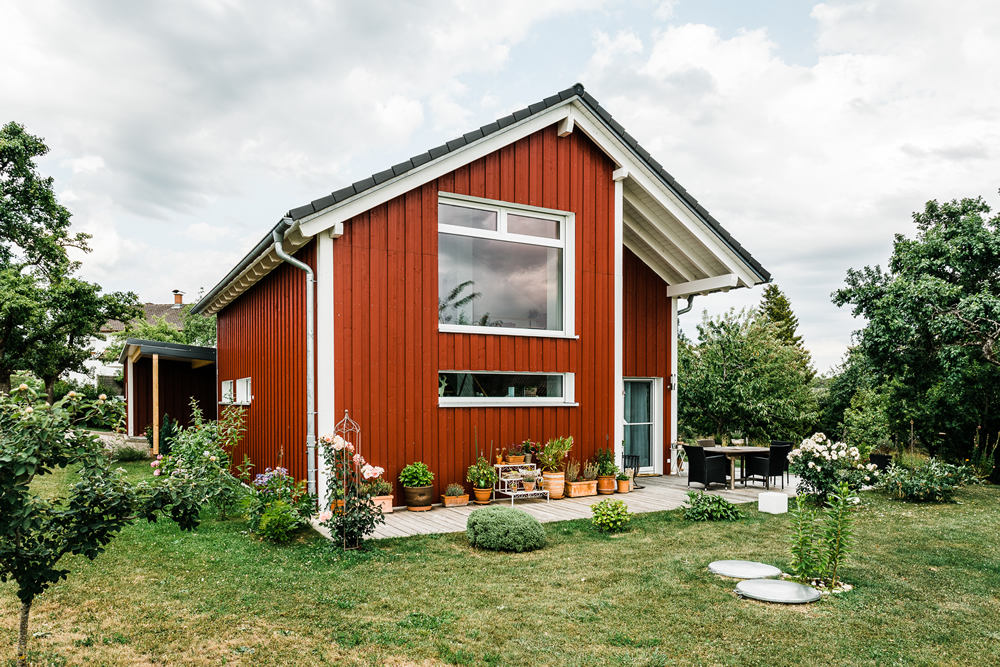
x: 623, y: 485
x: 528, y: 486
x: 482, y: 495
x: 605, y: 484
x: 515, y: 459
x: 554, y: 483
x: 455, y: 501
x: 418, y: 498
x: 385, y: 502
x: 579, y: 489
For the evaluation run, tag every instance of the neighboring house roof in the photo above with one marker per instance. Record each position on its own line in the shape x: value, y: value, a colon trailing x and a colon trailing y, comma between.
x: 168, y: 311
x: 653, y: 243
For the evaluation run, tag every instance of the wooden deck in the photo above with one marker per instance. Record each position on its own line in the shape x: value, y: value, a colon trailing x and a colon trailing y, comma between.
x: 660, y: 493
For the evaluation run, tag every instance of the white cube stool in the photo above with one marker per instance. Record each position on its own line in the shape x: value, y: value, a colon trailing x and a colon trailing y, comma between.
x: 772, y: 503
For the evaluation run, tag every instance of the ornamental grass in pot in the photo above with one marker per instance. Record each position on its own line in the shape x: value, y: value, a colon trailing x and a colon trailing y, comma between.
x: 581, y: 483
x: 483, y: 476
x: 381, y: 494
x: 418, y: 494
x: 455, y: 496
x: 550, y: 459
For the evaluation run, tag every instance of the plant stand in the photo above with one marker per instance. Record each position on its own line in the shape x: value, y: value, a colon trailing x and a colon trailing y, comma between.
x: 512, y: 487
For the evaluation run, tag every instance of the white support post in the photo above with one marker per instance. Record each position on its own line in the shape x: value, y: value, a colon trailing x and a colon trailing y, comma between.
x: 619, y: 176
x: 674, y: 324
x: 325, y: 390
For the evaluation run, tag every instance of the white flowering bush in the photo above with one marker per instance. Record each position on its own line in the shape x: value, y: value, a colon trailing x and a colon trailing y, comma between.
x: 823, y: 465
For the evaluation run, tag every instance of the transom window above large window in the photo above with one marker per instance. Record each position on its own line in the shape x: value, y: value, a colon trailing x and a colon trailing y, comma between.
x: 503, y: 268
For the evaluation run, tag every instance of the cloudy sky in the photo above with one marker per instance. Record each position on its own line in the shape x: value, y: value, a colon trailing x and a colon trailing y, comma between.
x: 180, y: 132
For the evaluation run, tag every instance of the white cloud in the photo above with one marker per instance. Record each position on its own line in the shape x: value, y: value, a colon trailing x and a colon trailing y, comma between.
x: 814, y: 168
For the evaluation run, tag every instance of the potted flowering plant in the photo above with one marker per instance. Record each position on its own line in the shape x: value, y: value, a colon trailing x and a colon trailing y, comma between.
x: 417, y: 490
x: 550, y: 458
x: 528, y: 479
x: 483, y: 476
x: 515, y: 453
x: 529, y: 448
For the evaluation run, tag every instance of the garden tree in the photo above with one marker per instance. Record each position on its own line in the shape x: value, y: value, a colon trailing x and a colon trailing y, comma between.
x: 197, y: 330
x: 934, y: 322
x: 34, y: 227
x: 741, y: 376
x: 36, y: 532
x: 865, y: 424
x: 72, y: 314
x: 775, y: 308
x: 20, y: 314
x: 854, y: 373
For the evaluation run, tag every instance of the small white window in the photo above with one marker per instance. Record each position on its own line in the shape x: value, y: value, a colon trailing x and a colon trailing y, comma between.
x: 227, y: 392
x: 243, y: 394
x: 465, y: 388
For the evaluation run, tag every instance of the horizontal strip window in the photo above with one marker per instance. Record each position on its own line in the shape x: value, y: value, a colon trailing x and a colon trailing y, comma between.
x: 468, y: 388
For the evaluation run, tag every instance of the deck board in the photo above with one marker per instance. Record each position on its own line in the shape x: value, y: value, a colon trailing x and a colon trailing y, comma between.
x: 660, y: 493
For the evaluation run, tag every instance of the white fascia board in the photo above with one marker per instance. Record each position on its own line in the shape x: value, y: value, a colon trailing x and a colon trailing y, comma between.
x: 704, y: 286
x: 652, y: 184
x: 414, y: 178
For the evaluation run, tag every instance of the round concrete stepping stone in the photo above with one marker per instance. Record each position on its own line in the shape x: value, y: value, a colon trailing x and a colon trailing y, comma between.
x: 781, y: 592
x: 743, y: 569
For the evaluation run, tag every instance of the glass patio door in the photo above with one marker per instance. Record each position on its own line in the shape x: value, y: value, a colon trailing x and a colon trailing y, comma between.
x: 639, y: 422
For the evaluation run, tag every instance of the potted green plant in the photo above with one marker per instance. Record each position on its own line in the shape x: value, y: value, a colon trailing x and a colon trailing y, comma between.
x: 550, y: 458
x: 418, y: 494
x: 737, y: 439
x: 483, y: 476
x: 515, y: 453
x: 624, y: 481
x: 455, y: 496
x: 381, y: 494
x: 606, y: 470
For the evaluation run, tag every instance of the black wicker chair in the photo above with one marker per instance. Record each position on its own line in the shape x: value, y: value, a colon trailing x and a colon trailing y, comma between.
x: 706, y: 469
x: 790, y: 444
x: 772, y: 465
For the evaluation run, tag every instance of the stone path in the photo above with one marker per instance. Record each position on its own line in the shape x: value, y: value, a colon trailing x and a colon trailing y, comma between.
x: 660, y: 493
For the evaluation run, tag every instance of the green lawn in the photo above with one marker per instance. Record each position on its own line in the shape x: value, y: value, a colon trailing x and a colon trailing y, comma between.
x: 926, y: 577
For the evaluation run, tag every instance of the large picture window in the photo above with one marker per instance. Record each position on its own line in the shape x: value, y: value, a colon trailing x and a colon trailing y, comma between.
x: 465, y: 388
x: 503, y: 269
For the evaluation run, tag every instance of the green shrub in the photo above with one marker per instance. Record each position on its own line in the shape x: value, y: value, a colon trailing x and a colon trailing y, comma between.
x: 705, y: 507
x: 279, y: 521
x: 820, y: 544
x: 611, y: 515
x: 129, y: 454
x: 416, y: 474
x: 504, y: 529
x: 928, y: 481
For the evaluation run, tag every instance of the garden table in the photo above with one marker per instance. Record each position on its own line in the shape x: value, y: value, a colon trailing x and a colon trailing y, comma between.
x: 733, y: 453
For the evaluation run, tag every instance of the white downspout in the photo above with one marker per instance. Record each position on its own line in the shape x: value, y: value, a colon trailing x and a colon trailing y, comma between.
x: 279, y: 237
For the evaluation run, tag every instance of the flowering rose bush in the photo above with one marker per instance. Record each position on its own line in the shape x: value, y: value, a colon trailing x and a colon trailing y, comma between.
x: 351, y: 482
x: 822, y: 465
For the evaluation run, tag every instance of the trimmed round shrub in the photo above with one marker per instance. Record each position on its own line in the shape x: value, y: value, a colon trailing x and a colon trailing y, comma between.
x: 502, y: 528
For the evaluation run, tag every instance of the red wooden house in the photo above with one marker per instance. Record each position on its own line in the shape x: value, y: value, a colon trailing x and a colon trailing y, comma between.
x: 521, y: 281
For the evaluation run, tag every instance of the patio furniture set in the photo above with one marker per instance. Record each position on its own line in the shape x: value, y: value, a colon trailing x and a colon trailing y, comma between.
x: 707, y: 463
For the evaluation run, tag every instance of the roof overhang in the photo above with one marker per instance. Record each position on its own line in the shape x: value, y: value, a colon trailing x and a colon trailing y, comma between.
x: 136, y: 349
x: 664, y: 225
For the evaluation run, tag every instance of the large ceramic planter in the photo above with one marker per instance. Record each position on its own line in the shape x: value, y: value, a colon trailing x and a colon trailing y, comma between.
x: 384, y: 502
x: 554, y: 483
x: 584, y: 488
x: 623, y: 486
x: 455, y: 501
x: 482, y: 495
x: 418, y: 498
x: 606, y: 484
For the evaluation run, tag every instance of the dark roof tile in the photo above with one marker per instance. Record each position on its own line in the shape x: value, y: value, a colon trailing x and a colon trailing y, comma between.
x: 423, y: 158
x: 456, y: 143
x: 487, y: 130
x: 536, y: 107
x: 506, y: 120
x: 383, y: 176
x: 551, y: 101
x: 301, y: 211
x: 362, y: 185
x: 438, y: 151
x: 324, y: 202
x: 472, y: 136
x: 344, y: 193
x: 402, y: 168
x: 521, y: 114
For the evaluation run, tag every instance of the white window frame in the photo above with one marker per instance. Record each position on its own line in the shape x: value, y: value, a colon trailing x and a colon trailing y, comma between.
x: 566, y: 241
x: 244, y: 392
x: 228, y: 393
x: 566, y: 400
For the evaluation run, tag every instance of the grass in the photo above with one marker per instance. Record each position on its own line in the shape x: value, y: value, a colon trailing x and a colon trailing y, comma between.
x: 927, y: 592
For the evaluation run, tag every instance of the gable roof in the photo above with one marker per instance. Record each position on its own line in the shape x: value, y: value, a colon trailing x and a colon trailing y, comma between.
x: 300, y: 224
x: 167, y: 311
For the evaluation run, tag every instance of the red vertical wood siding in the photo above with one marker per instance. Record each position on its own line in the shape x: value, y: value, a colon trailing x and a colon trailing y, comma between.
x: 179, y: 383
x: 647, y: 328
x: 387, y: 348
x: 262, y: 335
